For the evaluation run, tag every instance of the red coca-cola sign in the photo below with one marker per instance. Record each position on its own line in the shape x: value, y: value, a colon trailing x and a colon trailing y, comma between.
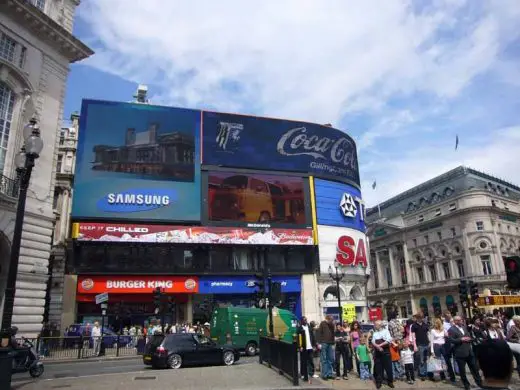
x: 351, y: 253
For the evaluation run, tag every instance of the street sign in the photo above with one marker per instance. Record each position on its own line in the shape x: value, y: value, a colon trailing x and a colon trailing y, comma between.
x: 100, y: 298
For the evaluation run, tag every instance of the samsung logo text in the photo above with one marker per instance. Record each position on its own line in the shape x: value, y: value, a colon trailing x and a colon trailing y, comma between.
x: 139, y: 199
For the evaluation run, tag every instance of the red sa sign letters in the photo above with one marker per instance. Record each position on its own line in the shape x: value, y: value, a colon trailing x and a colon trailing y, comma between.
x: 348, y: 254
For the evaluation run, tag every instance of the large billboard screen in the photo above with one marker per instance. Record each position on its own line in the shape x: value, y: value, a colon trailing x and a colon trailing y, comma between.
x: 255, y: 200
x: 273, y: 144
x: 339, y: 204
x: 137, y: 161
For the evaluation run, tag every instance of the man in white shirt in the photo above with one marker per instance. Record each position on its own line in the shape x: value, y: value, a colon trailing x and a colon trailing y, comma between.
x: 381, y: 340
x: 307, y: 344
x: 96, y: 336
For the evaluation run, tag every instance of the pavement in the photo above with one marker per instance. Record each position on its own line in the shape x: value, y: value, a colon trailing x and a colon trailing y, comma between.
x: 130, y: 374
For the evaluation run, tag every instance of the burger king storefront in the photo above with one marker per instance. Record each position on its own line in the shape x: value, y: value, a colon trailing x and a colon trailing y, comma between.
x: 131, y: 298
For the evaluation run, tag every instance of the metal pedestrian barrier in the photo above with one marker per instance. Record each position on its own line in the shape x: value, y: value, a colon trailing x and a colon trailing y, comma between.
x: 84, y: 347
x: 280, y: 355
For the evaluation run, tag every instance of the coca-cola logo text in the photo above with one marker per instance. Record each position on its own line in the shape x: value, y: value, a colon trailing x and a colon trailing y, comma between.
x: 296, y: 142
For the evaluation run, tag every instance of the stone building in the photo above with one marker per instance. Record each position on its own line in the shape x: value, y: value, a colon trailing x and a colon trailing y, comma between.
x: 62, y: 206
x: 425, y: 240
x: 36, y: 48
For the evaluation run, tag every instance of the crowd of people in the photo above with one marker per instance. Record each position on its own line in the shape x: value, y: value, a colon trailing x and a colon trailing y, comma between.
x: 417, y: 348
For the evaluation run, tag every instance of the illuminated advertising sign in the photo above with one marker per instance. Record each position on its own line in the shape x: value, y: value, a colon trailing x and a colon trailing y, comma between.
x: 136, y: 284
x: 274, y: 144
x: 110, y: 232
x: 339, y: 204
x: 348, y: 248
x: 257, y: 200
x: 137, y: 162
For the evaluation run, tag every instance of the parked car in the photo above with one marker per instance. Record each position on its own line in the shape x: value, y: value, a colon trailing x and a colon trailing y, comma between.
x: 179, y: 350
x: 109, y: 336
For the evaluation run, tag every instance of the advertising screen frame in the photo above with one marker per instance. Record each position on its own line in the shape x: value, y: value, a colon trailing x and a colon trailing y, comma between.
x: 180, y: 127
x: 279, y: 145
x: 306, y: 198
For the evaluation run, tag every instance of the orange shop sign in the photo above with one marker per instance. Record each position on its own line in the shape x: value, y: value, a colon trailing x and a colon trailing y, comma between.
x: 136, y: 284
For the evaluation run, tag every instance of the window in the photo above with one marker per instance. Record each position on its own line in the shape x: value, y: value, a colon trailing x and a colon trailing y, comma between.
x: 7, y: 48
x: 420, y: 218
x: 483, y: 245
x: 56, y: 199
x: 6, y: 115
x: 426, y: 239
x: 439, y: 235
x: 62, y: 137
x: 388, y: 273
x: 420, y: 274
x: 23, y: 55
x: 457, y: 249
x: 453, y: 206
x: 374, y: 273
x: 39, y: 4
x: 486, y: 264
x: 402, y: 271
x: 460, y: 268
x: 480, y: 225
x: 453, y: 232
x: 404, y: 313
x: 414, y: 242
x: 446, y: 270
x: 437, y: 212
x: 433, y: 273
x: 242, y: 259
x: 59, y: 162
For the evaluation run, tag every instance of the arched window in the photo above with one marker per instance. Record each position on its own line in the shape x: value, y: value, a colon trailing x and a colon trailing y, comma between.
x: 6, y: 116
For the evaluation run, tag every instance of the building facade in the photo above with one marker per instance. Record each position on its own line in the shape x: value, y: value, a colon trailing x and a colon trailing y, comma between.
x: 250, y: 206
x: 36, y: 48
x: 424, y: 241
x: 62, y: 205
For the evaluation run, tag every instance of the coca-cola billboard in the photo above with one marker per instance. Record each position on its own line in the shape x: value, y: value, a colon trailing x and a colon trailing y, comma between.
x: 275, y: 144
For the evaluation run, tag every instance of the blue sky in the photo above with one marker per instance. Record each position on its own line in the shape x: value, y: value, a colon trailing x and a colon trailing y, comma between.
x: 403, y: 81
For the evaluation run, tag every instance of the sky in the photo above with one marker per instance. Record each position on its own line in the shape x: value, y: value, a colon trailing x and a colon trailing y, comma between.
x: 403, y: 78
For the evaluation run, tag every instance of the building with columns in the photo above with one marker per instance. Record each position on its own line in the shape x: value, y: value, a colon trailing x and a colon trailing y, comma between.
x: 36, y: 48
x: 62, y: 205
x: 425, y: 240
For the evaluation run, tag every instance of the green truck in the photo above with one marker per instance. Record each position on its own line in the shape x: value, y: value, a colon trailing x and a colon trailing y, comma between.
x: 242, y: 327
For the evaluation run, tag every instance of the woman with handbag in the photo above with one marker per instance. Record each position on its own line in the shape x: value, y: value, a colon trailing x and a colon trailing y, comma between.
x: 437, y: 339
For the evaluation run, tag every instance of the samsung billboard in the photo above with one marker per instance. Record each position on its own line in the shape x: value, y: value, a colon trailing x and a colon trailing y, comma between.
x: 274, y: 144
x: 137, y: 161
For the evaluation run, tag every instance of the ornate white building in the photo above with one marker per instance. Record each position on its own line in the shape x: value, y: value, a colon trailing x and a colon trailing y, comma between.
x: 36, y: 48
x: 425, y: 240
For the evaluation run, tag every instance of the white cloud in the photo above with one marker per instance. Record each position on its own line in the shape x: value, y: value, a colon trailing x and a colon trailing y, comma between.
x: 322, y: 61
x: 496, y: 153
x: 297, y: 59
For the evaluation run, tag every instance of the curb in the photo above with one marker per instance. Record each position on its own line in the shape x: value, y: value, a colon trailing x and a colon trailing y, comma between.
x: 88, y: 360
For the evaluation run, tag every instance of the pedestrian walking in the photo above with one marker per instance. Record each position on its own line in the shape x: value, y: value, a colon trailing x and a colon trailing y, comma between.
x: 407, y: 362
x: 437, y: 340
x: 447, y: 352
x: 97, y: 338
x: 459, y: 336
x: 421, y: 335
x: 342, y: 351
x: 381, y: 341
x: 307, y: 344
x: 363, y: 357
x: 355, y: 340
x: 325, y: 339
x: 494, y: 357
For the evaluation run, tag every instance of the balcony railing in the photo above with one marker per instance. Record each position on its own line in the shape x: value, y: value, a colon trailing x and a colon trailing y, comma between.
x: 9, y: 187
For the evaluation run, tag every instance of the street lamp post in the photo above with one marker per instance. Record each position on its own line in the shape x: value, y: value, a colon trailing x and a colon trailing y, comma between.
x: 24, y: 161
x: 337, y: 277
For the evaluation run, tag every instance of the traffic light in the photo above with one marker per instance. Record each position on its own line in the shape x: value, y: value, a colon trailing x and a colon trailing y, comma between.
x: 473, y: 290
x: 171, y: 305
x: 276, y: 292
x: 512, y: 265
x: 157, y: 299
x: 260, y: 284
x: 463, y: 293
